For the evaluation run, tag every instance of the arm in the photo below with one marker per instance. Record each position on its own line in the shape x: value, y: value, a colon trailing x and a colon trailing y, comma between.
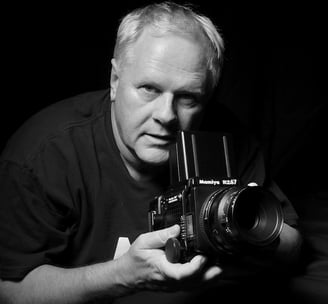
x: 49, y: 284
x: 143, y: 267
x: 284, y: 257
x: 290, y: 243
x: 290, y: 239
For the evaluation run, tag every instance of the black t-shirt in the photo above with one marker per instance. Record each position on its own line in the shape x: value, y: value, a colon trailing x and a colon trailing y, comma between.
x: 66, y: 196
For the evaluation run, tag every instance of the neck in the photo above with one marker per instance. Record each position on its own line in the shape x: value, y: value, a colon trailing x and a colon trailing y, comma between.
x: 144, y: 173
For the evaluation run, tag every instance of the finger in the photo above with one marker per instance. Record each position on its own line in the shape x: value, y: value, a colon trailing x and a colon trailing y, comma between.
x: 212, y: 273
x: 158, y: 238
x: 180, y: 271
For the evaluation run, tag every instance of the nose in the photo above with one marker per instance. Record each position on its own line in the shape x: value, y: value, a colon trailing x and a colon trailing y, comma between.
x: 164, y: 110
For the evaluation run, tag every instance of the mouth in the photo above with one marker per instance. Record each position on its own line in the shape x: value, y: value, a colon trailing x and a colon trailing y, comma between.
x: 162, y: 139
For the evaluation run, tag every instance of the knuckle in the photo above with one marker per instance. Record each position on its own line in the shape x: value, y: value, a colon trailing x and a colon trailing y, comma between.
x: 141, y: 240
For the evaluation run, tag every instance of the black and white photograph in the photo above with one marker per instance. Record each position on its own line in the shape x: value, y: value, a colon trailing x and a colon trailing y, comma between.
x: 164, y: 152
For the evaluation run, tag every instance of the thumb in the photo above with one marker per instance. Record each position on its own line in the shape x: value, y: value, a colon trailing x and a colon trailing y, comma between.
x: 158, y: 238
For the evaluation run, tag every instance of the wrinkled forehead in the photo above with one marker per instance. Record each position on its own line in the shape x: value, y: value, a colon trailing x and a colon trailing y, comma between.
x: 175, y: 51
x: 169, y: 60
x: 188, y: 31
x: 161, y: 30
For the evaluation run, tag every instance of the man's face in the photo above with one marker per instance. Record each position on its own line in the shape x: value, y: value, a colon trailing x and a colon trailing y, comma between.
x: 160, y: 90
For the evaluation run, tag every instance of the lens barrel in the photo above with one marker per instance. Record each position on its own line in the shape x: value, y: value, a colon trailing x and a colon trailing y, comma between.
x: 241, y: 217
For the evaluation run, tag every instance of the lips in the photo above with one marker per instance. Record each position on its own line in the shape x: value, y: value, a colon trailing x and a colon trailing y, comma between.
x: 160, y: 138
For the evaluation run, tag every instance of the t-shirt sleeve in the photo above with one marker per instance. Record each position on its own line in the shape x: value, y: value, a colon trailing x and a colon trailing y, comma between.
x: 32, y: 230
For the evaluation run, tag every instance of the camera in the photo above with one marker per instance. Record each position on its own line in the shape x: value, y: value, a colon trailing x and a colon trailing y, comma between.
x: 218, y: 215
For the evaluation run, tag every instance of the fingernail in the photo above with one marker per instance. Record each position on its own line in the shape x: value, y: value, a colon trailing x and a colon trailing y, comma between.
x: 212, y: 273
x: 174, y: 230
x: 216, y: 271
x: 201, y: 259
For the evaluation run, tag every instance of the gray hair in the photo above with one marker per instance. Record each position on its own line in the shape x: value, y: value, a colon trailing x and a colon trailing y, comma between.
x: 172, y: 17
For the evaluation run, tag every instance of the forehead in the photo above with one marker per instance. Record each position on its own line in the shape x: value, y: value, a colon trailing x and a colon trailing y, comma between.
x: 174, y: 56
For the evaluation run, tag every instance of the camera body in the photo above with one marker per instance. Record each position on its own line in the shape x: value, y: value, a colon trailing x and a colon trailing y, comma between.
x: 217, y: 215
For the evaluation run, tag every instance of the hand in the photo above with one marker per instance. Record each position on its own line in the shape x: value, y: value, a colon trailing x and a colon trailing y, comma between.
x: 145, y: 267
x: 283, y: 256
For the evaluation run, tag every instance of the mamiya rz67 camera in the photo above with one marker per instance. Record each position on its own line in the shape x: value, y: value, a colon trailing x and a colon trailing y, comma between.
x: 217, y: 215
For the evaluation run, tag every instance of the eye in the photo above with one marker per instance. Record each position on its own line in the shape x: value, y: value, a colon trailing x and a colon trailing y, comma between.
x: 188, y: 100
x: 149, y: 91
x: 149, y: 88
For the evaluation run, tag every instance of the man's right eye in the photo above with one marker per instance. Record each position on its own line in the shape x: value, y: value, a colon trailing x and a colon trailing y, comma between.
x: 149, y: 91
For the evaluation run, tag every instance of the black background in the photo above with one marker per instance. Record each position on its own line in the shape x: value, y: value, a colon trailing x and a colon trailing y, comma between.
x: 273, y: 80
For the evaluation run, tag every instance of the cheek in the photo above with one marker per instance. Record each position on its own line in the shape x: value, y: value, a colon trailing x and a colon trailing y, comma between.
x: 123, y: 106
x: 132, y: 112
x: 190, y: 118
x: 126, y: 102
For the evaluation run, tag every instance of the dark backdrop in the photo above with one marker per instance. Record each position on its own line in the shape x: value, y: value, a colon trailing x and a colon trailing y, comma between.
x: 273, y: 78
x: 272, y: 84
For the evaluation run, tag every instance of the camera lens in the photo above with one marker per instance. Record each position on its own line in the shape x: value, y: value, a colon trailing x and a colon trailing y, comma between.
x: 257, y: 216
x: 247, y: 216
x: 235, y: 217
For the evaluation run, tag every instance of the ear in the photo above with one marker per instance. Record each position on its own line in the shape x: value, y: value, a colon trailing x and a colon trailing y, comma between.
x: 114, y: 80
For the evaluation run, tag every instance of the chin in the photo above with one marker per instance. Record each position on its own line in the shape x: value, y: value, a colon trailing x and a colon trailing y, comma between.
x: 156, y: 158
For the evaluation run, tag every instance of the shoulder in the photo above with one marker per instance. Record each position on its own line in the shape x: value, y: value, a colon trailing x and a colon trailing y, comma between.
x: 247, y: 150
x: 249, y: 158
x: 53, y: 120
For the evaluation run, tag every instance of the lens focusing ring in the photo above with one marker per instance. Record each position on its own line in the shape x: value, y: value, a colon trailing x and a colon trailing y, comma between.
x: 235, y: 218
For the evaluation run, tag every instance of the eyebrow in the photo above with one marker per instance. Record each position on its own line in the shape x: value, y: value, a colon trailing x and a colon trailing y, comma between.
x: 197, y: 93
x: 181, y: 91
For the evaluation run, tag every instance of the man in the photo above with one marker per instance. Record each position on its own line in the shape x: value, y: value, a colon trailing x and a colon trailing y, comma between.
x: 77, y: 178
